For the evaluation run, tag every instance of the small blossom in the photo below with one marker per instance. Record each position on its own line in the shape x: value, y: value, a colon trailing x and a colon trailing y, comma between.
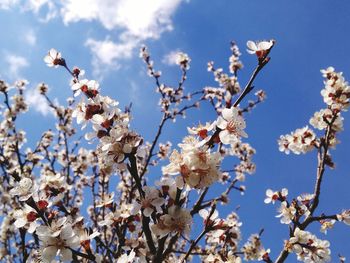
x: 152, y: 201
x: 287, y: 213
x: 183, y: 60
x: 26, y: 218
x: 327, y: 224
x: 300, y: 141
x: 60, y: 245
x: 272, y: 196
x: 344, y: 217
x: 326, y: 117
x: 177, y: 220
x: 259, y: 48
x: 53, y: 58
x: 308, y: 247
x: 197, y: 166
x: 24, y: 189
x: 253, y: 249
x: 232, y: 126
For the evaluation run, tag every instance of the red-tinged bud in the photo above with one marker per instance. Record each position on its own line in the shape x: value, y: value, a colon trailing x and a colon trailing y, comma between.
x: 86, y: 245
x: 107, y: 124
x: 42, y: 205
x: 91, y: 110
x: 275, y: 197
x: 203, y: 133
x: 32, y: 216
x: 84, y: 88
x: 260, y: 53
x: 76, y: 71
x: 131, y: 227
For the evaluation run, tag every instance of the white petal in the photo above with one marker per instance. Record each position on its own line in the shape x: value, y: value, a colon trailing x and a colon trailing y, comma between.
x: 48, y: 59
x: 252, y: 46
x: 67, y: 232
x: 53, y: 53
x: 243, y: 134
x: 66, y: 255
x: 32, y: 227
x: 76, y: 86
x: 98, y: 118
x: 226, y: 137
x: 227, y: 114
x: 49, y: 253
x: 221, y: 123
x: 264, y: 45
x: 204, y: 213
x: 20, y: 222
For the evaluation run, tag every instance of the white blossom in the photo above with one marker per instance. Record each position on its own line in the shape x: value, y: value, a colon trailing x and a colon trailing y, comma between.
x: 53, y: 58
x: 232, y: 126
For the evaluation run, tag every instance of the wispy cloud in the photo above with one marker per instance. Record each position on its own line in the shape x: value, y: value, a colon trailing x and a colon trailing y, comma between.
x: 37, y: 102
x: 44, y: 9
x: 135, y: 22
x: 30, y: 37
x: 108, y: 54
x: 7, y: 4
x: 15, y: 65
x: 144, y: 19
x: 134, y: 93
x: 171, y: 57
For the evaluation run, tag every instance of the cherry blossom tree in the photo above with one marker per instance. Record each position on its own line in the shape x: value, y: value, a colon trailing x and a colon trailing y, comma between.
x: 45, y: 191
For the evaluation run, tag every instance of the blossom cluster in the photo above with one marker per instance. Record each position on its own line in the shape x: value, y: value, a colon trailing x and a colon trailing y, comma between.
x: 336, y: 94
x: 299, y: 212
x: 144, y: 218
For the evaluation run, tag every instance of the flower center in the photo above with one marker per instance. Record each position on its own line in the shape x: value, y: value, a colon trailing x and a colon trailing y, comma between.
x: 231, y: 127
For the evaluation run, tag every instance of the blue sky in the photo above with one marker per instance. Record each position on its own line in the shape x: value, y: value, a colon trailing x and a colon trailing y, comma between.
x: 104, y: 39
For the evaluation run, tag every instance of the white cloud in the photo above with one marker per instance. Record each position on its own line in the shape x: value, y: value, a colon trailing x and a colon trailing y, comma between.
x: 36, y: 6
x: 7, y: 4
x: 37, y: 102
x: 143, y: 19
x: 44, y: 9
x: 30, y: 37
x: 106, y: 51
x: 135, y: 20
x: 15, y: 64
x: 108, y: 54
x: 171, y: 57
x: 134, y: 93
